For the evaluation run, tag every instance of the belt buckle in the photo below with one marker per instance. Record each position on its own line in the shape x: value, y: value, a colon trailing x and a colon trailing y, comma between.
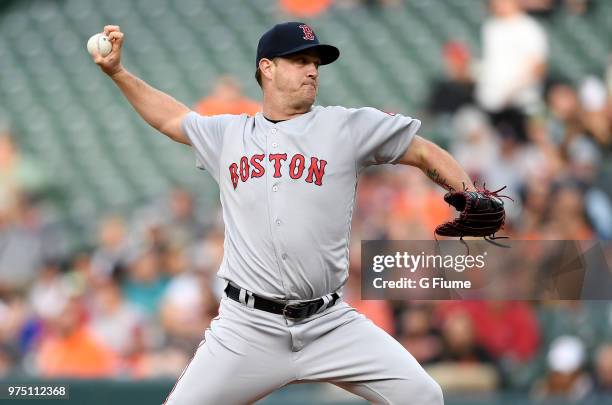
x: 299, y: 306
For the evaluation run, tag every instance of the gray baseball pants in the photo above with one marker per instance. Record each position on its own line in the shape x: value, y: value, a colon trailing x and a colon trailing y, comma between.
x: 248, y: 353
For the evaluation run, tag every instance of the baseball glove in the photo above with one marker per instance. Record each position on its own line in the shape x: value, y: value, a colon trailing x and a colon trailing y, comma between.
x: 482, y: 214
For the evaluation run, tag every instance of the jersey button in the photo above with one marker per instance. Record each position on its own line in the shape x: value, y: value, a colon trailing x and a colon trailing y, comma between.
x: 274, y: 145
x: 284, y: 256
x: 278, y: 222
x: 275, y: 188
x: 274, y: 130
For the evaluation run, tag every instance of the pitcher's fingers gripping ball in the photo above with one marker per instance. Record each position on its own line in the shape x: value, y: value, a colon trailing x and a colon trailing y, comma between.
x: 105, y: 48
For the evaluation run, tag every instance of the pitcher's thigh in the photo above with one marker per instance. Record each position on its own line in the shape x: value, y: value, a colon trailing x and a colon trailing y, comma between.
x: 422, y: 390
x: 362, y: 358
x: 230, y: 371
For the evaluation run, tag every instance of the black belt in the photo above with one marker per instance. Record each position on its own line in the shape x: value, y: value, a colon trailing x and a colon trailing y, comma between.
x: 297, y: 311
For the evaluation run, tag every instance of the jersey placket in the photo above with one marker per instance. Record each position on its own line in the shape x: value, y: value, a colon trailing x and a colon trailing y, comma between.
x: 274, y: 192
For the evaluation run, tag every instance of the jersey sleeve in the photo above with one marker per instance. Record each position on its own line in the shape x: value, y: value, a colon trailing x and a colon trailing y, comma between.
x: 206, y: 136
x: 380, y: 137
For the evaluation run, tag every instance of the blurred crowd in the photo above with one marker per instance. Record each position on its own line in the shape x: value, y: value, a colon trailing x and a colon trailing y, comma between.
x: 136, y: 302
x: 511, y: 121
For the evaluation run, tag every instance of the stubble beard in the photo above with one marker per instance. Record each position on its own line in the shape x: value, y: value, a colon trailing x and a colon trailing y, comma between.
x: 303, y: 100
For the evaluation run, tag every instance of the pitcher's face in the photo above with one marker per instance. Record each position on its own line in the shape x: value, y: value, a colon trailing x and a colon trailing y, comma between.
x: 297, y: 78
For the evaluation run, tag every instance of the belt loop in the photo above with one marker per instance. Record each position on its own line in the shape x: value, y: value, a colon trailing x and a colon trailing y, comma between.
x: 226, y: 283
x: 326, y: 300
x: 250, y: 301
x: 241, y: 296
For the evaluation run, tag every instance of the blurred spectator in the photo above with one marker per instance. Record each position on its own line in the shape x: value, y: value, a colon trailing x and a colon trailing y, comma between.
x: 227, y: 98
x: 22, y: 248
x: 206, y: 255
x: 464, y: 365
x: 378, y: 311
x: 573, y: 122
x: 566, y: 377
x: 415, y: 208
x: 48, y: 297
x: 551, y: 163
x: 460, y: 342
x: 13, y: 317
x: 374, y: 192
x: 182, y: 226
x: 170, y: 223
x: 174, y: 261
x: 20, y: 177
x: 603, y: 368
x: 535, y: 204
x: 515, y: 51
x: 69, y: 349
x: 591, y: 322
x: 187, y: 308
x: 564, y: 111
x: 418, y: 334
x: 546, y: 8
x: 145, y: 284
x: 599, y: 211
x: 594, y: 100
x: 456, y: 89
x: 305, y: 8
x: 473, y: 136
x: 117, y: 323
x: 50, y: 293
x: 567, y: 218
x: 506, y: 329
x: 24, y: 238
x: 112, y: 250
x: 578, y: 7
x: 80, y: 275
x: 577, y: 123
x: 608, y: 77
x: 540, y: 8
x: 514, y: 164
x: 7, y: 361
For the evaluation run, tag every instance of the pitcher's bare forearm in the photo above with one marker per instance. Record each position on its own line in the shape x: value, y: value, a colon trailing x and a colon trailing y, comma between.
x: 157, y: 108
x: 437, y: 164
x: 447, y: 173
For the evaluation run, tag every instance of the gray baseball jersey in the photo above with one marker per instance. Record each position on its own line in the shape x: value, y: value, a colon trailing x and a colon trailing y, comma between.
x: 288, y: 191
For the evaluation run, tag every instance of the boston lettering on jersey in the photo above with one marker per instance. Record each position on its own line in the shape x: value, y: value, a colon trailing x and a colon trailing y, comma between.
x: 252, y: 168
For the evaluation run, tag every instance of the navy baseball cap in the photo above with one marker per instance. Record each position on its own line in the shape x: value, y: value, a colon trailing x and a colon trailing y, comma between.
x: 292, y: 37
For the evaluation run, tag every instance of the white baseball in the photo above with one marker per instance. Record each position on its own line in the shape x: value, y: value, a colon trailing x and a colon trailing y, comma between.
x: 101, y: 43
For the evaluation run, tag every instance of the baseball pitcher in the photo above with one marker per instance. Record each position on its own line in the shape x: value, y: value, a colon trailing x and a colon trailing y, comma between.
x: 287, y: 178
